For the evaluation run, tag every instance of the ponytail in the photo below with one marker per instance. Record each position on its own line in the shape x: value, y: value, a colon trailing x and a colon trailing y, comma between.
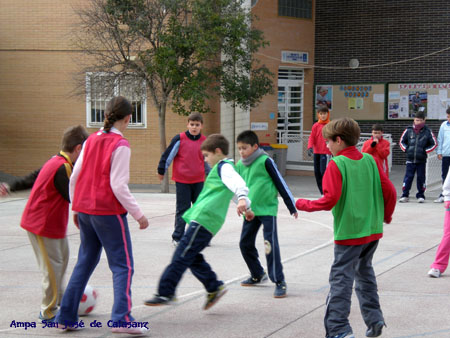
x: 116, y: 109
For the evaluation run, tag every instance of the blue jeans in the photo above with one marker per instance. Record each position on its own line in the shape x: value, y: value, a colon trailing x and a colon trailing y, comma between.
x: 187, y: 255
x: 320, y: 165
x: 250, y: 254
x: 186, y: 195
x: 112, y: 234
x: 411, y: 169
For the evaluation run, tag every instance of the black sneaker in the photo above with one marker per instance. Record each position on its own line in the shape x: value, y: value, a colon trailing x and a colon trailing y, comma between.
x: 158, y: 300
x: 252, y: 281
x: 374, y: 330
x: 280, y: 290
x: 213, y: 297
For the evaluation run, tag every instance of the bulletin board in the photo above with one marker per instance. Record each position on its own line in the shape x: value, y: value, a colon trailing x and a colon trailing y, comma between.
x: 358, y: 101
x: 405, y: 99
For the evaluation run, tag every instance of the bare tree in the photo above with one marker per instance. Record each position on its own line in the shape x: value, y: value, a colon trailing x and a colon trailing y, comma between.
x: 175, y: 47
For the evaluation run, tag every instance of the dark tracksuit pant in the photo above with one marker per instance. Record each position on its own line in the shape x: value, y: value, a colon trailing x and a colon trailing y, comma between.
x: 250, y: 254
x: 187, y: 255
x: 320, y: 165
x: 352, y: 263
x: 96, y: 232
x: 411, y: 169
x: 186, y: 195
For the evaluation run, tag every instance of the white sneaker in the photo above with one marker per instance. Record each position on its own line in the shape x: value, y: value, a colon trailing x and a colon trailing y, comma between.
x: 435, y: 273
x: 421, y: 200
x: 440, y: 199
x: 141, y: 331
x: 404, y: 199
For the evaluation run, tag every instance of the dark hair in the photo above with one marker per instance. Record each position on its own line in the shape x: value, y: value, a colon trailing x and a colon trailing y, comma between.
x: 420, y: 115
x: 346, y: 128
x: 195, y: 117
x: 448, y: 110
x: 116, y: 109
x: 323, y: 109
x: 248, y: 137
x: 377, y: 127
x: 215, y: 141
x: 72, y: 137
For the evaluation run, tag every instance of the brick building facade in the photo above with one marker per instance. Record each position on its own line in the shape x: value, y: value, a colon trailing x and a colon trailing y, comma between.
x: 382, y: 32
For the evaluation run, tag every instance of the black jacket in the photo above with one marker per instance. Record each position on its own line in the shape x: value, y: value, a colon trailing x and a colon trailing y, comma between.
x: 417, y: 146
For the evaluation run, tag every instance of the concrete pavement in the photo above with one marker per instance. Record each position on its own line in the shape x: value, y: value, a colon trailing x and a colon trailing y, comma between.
x: 414, y: 305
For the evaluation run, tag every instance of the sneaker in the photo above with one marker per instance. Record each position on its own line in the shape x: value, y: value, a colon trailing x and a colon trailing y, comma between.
x: 280, y: 290
x: 252, y: 281
x: 48, y: 320
x: 131, y: 330
x: 404, y: 199
x: 158, y: 300
x: 343, y: 335
x: 435, y: 273
x: 374, y: 330
x: 213, y: 297
x: 440, y: 199
x: 421, y: 200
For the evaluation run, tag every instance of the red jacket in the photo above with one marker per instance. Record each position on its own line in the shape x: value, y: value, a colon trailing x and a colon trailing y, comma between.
x: 93, y: 194
x: 316, y: 140
x: 47, y: 211
x: 332, y: 189
x: 380, y: 152
x: 189, y: 165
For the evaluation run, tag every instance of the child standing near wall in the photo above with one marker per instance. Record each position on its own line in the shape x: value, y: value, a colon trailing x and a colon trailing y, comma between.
x: 361, y: 197
x: 378, y: 147
x: 188, y: 169
x: 100, y: 201
x: 264, y: 180
x: 318, y: 147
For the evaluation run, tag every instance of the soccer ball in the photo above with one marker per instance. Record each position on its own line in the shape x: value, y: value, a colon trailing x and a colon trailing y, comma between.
x: 88, y: 301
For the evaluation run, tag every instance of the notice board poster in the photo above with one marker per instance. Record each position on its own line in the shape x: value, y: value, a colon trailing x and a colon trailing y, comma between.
x: 358, y: 101
x: 406, y: 99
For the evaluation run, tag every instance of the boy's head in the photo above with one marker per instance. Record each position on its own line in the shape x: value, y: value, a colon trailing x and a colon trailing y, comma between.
x: 247, y: 142
x: 341, y: 133
x: 448, y: 114
x: 419, y: 118
x: 195, y: 123
x: 73, y: 139
x: 323, y: 113
x: 377, y: 131
x: 215, y: 148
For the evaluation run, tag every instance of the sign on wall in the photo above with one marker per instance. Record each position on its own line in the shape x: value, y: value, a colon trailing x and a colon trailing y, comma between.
x: 358, y: 101
x: 406, y: 99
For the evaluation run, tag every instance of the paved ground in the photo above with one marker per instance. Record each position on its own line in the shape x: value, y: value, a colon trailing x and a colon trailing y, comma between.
x: 414, y: 305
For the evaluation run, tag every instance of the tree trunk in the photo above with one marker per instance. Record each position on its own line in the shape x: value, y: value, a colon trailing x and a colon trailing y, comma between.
x: 162, y: 142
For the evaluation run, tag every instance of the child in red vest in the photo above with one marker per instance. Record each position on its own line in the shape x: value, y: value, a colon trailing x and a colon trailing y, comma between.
x: 100, y: 201
x: 46, y: 216
x: 318, y: 147
x: 188, y: 169
x: 361, y: 197
x: 378, y: 147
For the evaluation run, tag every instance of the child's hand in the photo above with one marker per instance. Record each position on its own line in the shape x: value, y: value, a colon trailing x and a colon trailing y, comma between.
x: 295, y: 215
x: 75, y: 220
x: 249, y: 215
x: 143, y: 222
x: 4, y: 189
x: 241, y: 207
x: 161, y: 177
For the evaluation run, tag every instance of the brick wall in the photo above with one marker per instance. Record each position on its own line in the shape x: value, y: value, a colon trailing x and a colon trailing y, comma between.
x: 380, y: 32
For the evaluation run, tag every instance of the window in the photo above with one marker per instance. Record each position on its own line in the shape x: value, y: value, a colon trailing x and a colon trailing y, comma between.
x: 101, y: 87
x: 295, y: 8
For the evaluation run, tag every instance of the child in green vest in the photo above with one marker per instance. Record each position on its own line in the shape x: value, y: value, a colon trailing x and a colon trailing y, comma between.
x: 205, y: 219
x: 264, y: 180
x: 360, y: 196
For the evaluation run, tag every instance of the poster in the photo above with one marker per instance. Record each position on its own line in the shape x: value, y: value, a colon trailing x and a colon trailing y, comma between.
x: 324, y: 96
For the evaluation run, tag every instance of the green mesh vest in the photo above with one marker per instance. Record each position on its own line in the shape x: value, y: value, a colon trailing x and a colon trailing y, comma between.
x: 262, y: 191
x: 211, y: 206
x: 360, y: 210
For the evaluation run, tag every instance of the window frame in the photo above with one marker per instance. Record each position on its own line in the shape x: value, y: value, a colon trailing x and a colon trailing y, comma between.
x: 300, y: 5
x: 116, y: 91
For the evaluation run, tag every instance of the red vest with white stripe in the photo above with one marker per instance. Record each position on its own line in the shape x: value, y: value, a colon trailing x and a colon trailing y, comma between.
x: 189, y: 165
x: 93, y: 194
x: 47, y: 212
